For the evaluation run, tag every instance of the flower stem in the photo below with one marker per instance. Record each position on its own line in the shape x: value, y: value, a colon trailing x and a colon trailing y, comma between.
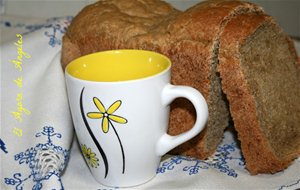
x: 92, y: 135
x: 121, y: 146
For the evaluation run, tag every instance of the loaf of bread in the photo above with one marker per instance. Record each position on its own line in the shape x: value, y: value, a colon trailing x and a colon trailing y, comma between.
x: 209, y: 40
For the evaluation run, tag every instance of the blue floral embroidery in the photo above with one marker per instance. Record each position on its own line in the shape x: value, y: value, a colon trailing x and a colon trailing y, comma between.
x: 170, y: 165
x: 194, y: 169
x: 44, y: 160
x: 2, y: 146
x: 54, y: 28
x: 295, y: 184
x: 219, y: 161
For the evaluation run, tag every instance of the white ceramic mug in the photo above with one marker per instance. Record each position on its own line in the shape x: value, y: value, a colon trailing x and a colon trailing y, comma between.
x: 120, y: 107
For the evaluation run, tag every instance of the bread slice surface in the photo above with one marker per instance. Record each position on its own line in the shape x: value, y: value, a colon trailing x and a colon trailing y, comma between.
x: 260, y: 77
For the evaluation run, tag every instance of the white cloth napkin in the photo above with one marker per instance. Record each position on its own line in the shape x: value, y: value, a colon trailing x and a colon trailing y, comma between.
x: 36, y: 159
x: 36, y: 127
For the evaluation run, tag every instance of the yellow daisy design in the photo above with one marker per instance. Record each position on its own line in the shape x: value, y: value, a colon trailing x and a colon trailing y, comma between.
x: 90, y: 156
x: 106, y: 115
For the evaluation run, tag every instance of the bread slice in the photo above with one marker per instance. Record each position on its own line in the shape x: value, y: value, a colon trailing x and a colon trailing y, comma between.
x: 260, y: 77
x: 185, y: 37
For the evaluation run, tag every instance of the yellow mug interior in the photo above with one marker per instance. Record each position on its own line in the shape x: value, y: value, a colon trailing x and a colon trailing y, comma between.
x: 118, y: 65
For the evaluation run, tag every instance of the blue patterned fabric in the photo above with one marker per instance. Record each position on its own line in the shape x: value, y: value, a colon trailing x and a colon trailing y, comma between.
x: 219, y: 162
x: 34, y: 140
x: 53, y: 28
x: 33, y: 157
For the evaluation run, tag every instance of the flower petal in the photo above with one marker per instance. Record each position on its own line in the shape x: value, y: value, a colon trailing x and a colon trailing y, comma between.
x: 88, y: 151
x: 114, y: 107
x: 99, y: 105
x: 105, y: 125
x: 84, y: 149
x: 118, y: 119
x: 95, y: 115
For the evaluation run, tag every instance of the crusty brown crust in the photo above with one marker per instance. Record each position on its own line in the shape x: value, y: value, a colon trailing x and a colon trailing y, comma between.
x: 259, y: 155
x: 108, y: 24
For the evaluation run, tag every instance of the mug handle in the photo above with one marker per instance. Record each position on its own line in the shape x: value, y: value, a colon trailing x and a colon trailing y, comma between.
x: 171, y: 92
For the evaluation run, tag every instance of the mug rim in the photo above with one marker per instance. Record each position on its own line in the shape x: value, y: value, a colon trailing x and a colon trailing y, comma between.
x: 121, y: 81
